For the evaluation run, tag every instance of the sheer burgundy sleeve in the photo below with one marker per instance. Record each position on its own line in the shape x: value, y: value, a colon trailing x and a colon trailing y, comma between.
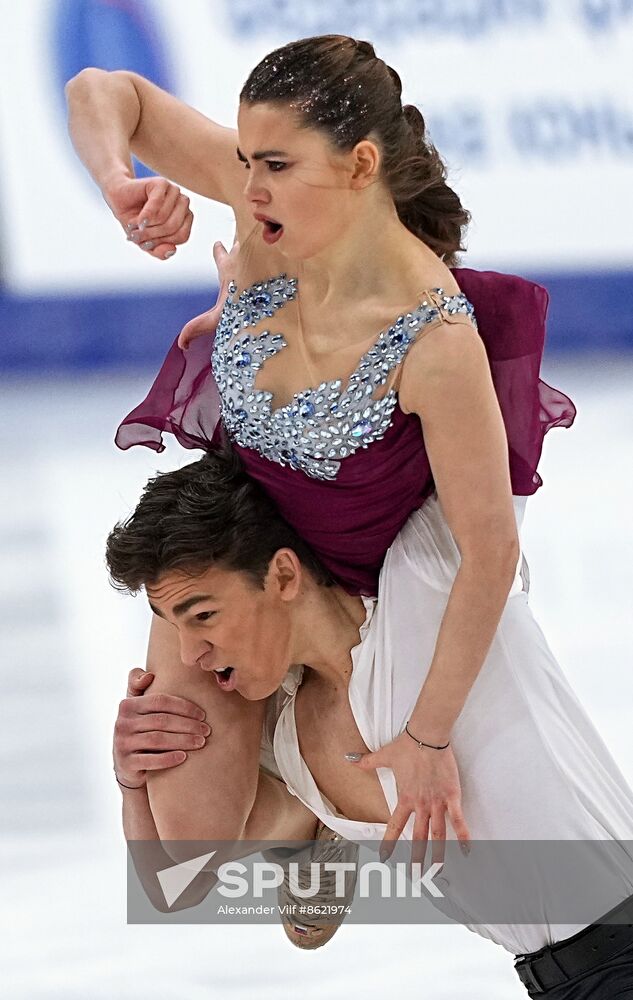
x: 511, y: 315
x: 183, y: 401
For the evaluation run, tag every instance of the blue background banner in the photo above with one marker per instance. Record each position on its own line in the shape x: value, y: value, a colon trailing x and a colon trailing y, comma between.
x: 108, y: 34
x: 587, y: 312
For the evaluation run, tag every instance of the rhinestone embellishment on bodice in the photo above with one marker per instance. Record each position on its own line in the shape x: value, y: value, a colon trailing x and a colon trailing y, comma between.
x: 321, y: 425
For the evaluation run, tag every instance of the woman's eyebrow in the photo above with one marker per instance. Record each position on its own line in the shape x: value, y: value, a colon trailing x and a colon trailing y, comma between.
x: 261, y: 154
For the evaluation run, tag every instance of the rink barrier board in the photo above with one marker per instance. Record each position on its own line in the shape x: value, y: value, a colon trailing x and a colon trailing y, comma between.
x: 588, y: 312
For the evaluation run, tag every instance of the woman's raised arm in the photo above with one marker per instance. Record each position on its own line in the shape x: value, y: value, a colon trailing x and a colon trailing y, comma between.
x: 112, y: 115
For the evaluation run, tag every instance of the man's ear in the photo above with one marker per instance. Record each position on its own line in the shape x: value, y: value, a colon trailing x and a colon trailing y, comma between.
x: 285, y: 573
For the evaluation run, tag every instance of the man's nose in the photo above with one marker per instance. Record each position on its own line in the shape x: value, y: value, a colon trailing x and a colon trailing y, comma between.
x: 192, y: 648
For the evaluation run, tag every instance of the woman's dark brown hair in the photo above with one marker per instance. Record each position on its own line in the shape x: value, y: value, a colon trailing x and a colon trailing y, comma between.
x: 338, y: 85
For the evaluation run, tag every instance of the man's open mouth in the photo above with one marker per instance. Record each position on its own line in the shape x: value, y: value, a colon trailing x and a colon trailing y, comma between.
x: 225, y: 678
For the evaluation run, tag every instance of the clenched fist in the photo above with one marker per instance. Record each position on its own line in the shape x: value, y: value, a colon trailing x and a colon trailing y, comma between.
x: 153, y: 213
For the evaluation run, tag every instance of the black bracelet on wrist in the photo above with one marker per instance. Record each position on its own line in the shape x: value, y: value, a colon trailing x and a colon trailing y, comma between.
x: 420, y: 743
x: 132, y: 788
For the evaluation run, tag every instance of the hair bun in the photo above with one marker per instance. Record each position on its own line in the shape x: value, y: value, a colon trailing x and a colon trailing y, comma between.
x: 415, y: 119
x: 397, y: 82
x: 366, y: 48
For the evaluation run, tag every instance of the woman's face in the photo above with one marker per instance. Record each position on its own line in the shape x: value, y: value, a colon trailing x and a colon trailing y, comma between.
x: 308, y: 186
x: 223, y: 619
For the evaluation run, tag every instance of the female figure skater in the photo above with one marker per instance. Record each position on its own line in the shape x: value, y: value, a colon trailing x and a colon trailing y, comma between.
x: 438, y: 408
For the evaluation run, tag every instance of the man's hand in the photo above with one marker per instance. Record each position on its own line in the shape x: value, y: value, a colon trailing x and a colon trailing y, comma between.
x: 153, y: 732
x: 153, y: 212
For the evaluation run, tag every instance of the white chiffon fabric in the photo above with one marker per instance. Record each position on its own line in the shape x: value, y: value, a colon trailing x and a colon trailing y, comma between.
x: 532, y: 765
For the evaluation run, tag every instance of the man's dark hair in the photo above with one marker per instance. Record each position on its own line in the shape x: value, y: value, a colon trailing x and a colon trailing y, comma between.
x: 208, y: 513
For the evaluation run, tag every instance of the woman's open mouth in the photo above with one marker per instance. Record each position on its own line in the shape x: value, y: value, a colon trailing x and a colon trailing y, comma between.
x: 272, y: 231
x: 225, y: 678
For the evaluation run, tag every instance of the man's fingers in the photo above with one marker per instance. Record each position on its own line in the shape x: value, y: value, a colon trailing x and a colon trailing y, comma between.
x: 135, y: 674
x: 156, y: 740
x: 169, y: 723
x: 138, y: 681
x: 157, y: 761
x: 138, y: 675
x: 170, y: 703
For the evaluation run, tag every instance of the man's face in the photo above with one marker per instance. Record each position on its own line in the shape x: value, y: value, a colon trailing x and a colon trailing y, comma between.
x: 224, y: 620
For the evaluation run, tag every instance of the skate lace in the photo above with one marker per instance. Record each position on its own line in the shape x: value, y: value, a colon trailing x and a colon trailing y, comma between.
x: 328, y: 851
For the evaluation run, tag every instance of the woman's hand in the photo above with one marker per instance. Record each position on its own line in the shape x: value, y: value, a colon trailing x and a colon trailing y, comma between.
x: 428, y: 785
x: 154, y: 731
x: 153, y: 212
x: 208, y: 321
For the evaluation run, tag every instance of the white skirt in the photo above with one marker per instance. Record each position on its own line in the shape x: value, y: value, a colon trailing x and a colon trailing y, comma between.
x: 532, y: 765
